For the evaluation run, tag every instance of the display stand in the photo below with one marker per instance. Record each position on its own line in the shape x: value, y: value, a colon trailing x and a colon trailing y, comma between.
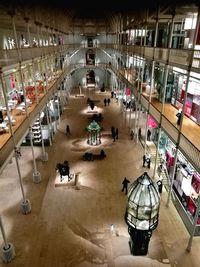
x: 36, y: 130
x: 65, y: 180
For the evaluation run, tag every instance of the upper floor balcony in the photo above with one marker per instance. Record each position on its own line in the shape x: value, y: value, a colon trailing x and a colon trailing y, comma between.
x: 175, y: 57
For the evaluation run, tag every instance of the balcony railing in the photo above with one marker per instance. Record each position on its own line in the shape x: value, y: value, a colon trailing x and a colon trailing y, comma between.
x: 175, y: 55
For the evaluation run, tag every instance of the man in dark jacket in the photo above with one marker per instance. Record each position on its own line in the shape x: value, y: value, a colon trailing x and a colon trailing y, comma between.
x: 125, y: 185
x: 178, y: 115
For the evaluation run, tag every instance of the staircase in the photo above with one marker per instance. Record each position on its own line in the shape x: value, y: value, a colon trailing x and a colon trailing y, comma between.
x: 161, y: 172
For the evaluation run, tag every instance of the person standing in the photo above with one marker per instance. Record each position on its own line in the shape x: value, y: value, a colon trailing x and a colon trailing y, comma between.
x: 105, y: 101
x: 91, y: 105
x: 148, y: 160
x: 113, y: 133
x: 1, y: 116
x: 178, y: 115
x: 139, y: 133
x: 132, y: 134
x: 108, y: 101
x: 148, y: 135
x: 116, y: 133
x: 144, y: 160
x: 125, y: 185
x: 103, y: 88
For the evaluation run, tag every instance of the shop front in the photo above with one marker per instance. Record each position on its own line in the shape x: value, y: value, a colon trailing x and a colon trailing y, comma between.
x: 186, y: 182
x: 192, y: 103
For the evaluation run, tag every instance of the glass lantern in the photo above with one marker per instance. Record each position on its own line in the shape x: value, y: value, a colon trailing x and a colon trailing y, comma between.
x: 94, y: 135
x: 142, y: 212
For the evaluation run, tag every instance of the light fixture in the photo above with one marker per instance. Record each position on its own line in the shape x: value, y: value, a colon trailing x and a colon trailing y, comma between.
x: 94, y: 137
x: 142, y: 213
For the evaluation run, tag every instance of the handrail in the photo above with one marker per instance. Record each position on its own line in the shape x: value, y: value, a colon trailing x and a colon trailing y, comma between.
x: 61, y: 47
x: 177, y: 56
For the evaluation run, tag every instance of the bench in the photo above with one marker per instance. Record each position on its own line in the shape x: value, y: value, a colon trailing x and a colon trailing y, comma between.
x: 90, y: 156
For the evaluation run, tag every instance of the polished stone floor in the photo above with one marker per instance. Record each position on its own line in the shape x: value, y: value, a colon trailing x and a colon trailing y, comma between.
x: 70, y: 226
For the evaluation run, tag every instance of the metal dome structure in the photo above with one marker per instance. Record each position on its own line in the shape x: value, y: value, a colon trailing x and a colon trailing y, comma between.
x: 142, y: 212
x: 143, y: 204
x: 94, y: 136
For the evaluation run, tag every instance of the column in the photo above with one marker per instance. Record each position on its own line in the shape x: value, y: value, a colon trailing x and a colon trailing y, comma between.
x: 44, y: 153
x: 25, y: 205
x: 7, y: 251
x: 36, y: 173
x: 152, y: 79
x: 164, y: 92
x: 28, y: 31
x: 160, y: 122
x: 15, y: 35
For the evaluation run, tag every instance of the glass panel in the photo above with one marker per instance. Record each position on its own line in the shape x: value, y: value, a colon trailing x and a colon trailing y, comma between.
x: 144, y: 213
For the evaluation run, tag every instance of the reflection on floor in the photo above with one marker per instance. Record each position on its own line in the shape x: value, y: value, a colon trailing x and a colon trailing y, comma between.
x: 69, y: 227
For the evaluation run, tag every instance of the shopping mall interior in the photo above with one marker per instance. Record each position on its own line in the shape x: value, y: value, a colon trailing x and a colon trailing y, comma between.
x: 90, y: 96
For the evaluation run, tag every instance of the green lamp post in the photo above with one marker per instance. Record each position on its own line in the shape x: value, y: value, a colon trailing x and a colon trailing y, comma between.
x: 94, y: 133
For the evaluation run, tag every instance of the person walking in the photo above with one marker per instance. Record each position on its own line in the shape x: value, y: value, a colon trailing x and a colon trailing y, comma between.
x: 108, y: 101
x: 125, y: 185
x: 67, y: 130
x: 105, y: 101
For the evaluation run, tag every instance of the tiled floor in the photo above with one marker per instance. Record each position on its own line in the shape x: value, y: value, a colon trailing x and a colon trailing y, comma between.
x: 71, y: 226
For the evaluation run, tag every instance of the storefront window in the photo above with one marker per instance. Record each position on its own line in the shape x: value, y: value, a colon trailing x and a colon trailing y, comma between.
x: 192, y: 104
x: 186, y: 182
x: 159, y: 72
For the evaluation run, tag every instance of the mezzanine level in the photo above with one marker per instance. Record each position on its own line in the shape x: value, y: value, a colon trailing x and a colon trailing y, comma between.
x: 174, y: 57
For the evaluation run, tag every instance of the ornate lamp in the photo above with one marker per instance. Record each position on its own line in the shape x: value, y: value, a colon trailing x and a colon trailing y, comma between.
x: 142, y: 213
x: 94, y: 136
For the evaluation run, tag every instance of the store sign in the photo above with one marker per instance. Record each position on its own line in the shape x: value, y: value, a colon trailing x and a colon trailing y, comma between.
x: 151, y: 122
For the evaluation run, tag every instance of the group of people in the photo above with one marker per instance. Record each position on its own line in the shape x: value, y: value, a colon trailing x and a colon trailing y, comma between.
x: 63, y: 169
x: 90, y: 103
x: 90, y: 156
x: 114, y: 132
x: 106, y: 101
x: 146, y: 161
